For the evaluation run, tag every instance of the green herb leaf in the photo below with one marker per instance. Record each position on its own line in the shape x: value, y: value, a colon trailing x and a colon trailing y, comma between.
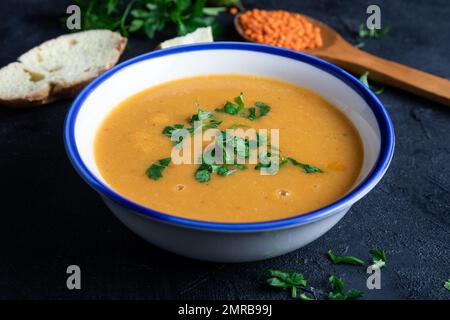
x: 365, y: 80
x: 447, y: 285
x: 344, y: 259
x: 225, y: 171
x: 229, y: 108
x: 307, y: 168
x: 238, y: 108
x: 155, y: 170
x: 303, y: 296
x: 203, y: 173
x: 378, y: 257
x: 338, y: 293
x: 263, y: 108
x: 240, y: 102
x: 251, y: 114
x: 372, y: 33
x: 285, y: 280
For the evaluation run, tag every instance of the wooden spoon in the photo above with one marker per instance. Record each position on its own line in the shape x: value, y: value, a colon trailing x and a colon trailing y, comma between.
x: 338, y: 51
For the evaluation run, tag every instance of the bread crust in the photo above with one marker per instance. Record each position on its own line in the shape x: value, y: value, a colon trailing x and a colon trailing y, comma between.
x: 57, y: 91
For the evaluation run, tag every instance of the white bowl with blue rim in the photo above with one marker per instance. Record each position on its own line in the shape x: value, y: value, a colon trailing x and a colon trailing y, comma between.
x: 229, y: 242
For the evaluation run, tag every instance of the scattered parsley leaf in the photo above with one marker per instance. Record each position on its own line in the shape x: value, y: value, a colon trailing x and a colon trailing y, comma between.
x: 365, y: 80
x: 378, y: 257
x: 155, y: 170
x: 307, y: 168
x: 286, y: 280
x: 372, y: 33
x: 338, y: 293
x: 344, y: 259
x: 447, y: 285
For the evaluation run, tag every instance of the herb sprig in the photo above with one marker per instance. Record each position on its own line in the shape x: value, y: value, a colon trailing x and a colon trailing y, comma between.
x: 286, y: 280
x: 147, y: 16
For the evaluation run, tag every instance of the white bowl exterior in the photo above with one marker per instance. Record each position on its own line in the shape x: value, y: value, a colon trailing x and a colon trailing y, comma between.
x: 223, y: 246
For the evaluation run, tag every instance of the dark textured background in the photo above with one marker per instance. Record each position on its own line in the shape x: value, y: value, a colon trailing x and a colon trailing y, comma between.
x: 51, y: 219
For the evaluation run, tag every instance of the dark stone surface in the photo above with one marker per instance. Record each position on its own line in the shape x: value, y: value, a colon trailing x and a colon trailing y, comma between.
x: 51, y: 219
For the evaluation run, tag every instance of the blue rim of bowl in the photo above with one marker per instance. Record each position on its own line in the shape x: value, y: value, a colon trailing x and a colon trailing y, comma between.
x: 377, y: 172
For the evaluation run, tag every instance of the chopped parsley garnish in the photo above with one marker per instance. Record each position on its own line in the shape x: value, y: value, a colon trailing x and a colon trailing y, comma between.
x: 378, y: 257
x: 344, y: 259
x: 447, y: 285
x: 365, y: 80
x: 239, y: 148
x: 338, y: 293
x: 207, y: 119
x: 307, y: 168
x: 233, y: 148
x: 372, y: 33
x: 155, y: 170
x: 238, y: 108
x: 286, y: 280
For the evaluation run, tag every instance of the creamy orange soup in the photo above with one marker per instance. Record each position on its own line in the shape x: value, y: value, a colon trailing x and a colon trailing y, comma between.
x: 312, y: 131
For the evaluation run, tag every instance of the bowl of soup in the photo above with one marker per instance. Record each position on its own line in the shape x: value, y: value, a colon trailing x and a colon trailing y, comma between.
x: 226, y: 151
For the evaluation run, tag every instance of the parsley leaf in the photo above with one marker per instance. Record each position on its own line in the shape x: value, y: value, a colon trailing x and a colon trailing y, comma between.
x: 240, y: 102
x: 378, y: 257
x: 344, y: 259
x: 338, y: 293
x: 372, y: 33
x: 447, y: 285
x: 365, y: 80
x: 240, y: 148
x: 307, y: 168
x: 155, y: 170
x: 303, y: 296
x: 203, y: 173
x: 286, y: 280
x: 238, y: 108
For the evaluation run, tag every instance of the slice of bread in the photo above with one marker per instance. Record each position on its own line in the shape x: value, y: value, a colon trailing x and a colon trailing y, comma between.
x: 60, y: 67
